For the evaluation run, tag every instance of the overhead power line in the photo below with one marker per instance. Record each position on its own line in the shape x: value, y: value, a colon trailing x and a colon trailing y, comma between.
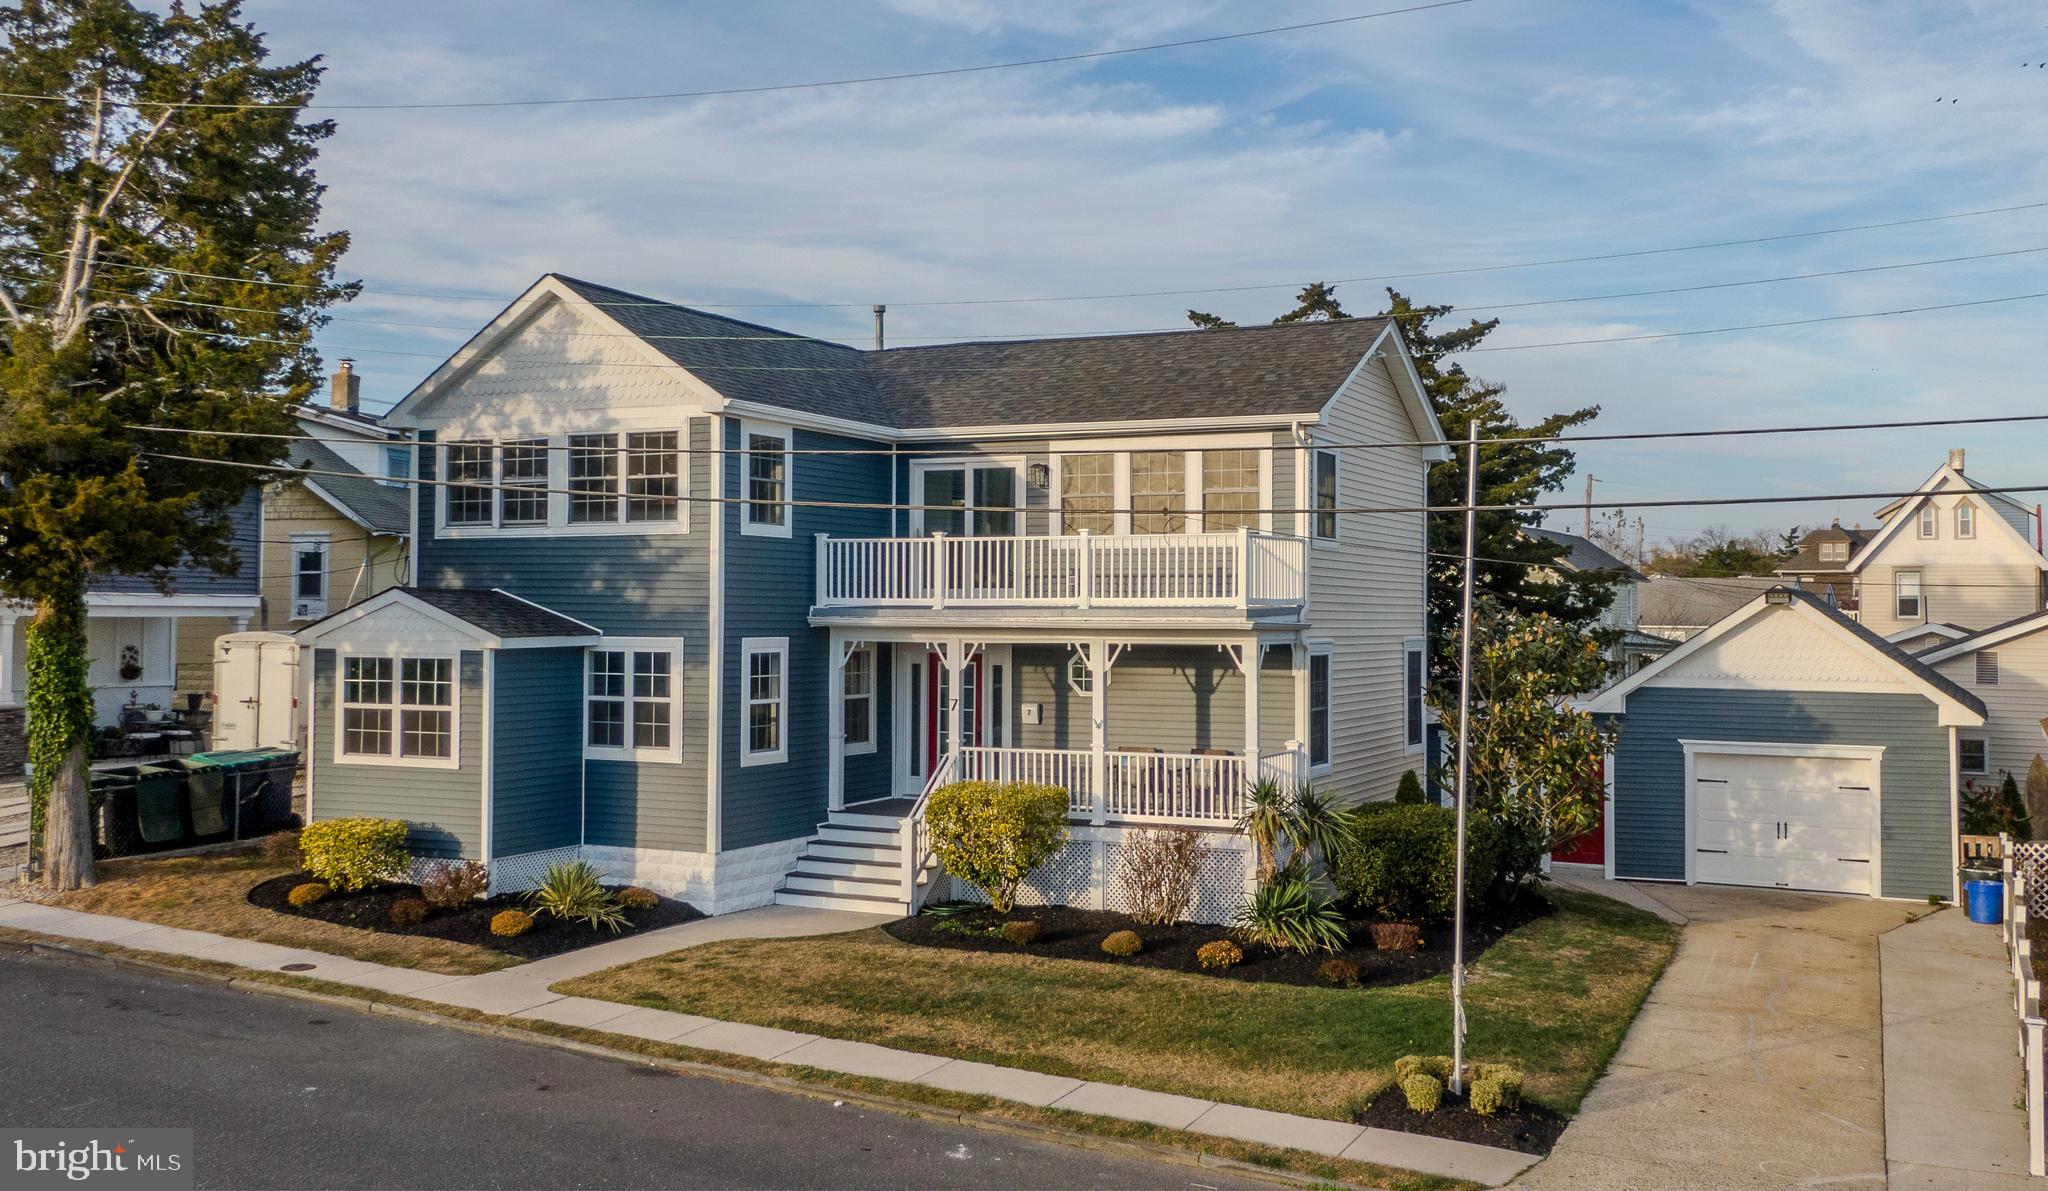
x: 766, y: 88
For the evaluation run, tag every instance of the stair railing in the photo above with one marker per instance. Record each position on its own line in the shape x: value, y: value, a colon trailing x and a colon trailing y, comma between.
x: 916, y: 839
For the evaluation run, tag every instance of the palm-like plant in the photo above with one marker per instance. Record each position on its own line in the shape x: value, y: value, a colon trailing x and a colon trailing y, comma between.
x: 1323, y: 823
x: 1289, y: 914
x: 1270, y: 820
x: 573, y: 892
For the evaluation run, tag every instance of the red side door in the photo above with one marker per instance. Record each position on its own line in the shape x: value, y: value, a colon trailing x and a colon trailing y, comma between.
x: 1590, y: 848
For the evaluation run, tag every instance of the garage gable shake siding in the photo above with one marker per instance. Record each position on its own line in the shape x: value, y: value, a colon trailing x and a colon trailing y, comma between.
x: 769, y: 591
x: 443, y: 806
x: 1650, y: 795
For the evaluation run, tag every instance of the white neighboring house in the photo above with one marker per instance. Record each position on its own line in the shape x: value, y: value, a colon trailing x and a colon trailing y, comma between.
x: 1634, y: 648
x: 2006, y: 666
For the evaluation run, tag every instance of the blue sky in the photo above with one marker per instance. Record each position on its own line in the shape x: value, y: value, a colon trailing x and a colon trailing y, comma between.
x: 1497, y: 131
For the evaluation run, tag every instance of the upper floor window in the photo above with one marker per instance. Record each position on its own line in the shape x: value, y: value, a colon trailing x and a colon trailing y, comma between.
x: 593, y: 479
x: 1175, y: 489
x: 767, y: 480
x: 397, y: 463
x: 1906, y: 595
x: 654, y: 478
x: 1930, y: 521
x: 631, y: 480
x: 523, y: 480
x: 1966, y: 520
x: 467, y: 505
x: 1230, y: 490
x: 1159, y: 492
x: 1324, y: 494
x: 1834, y: 551
x: 1088, y: 493
x: 309, y: 576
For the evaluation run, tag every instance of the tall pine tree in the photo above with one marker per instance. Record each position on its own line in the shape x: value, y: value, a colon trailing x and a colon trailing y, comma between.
x: 162, y: 266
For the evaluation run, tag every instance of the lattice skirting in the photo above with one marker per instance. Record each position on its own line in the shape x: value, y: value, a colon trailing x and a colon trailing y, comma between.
x: 2030, y: 860
x: 1085, y: 873
x: 510, y: 874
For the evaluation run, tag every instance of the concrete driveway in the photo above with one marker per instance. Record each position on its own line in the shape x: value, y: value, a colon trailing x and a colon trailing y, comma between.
x: 1758, y: 1060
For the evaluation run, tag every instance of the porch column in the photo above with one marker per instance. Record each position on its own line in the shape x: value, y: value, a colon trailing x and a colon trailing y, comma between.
x: 956, y: 669
x: 1298, y: 655
x: 1098, y: 713
x: 9, y: 617
x: 1254, y: 655
x: 835, y: 723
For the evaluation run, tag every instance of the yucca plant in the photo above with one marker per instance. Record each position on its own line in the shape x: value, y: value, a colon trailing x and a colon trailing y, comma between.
x: 572, y: 891
x: 1269, y: 819
x: 1289, y: 914
x: 1323, y: 823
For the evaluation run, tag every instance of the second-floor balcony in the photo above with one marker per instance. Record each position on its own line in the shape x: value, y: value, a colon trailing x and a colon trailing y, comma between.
x: 1233, y: 569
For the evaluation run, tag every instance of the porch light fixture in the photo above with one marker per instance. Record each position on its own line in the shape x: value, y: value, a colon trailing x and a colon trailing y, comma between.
x: 1039, y: 475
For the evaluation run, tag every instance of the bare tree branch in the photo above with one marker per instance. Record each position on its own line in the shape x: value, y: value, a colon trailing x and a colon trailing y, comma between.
x: 136, y: 307
x: 128, y: 171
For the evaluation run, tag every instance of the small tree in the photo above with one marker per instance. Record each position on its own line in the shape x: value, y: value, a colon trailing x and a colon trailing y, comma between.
x: 1408, y: 792
x: 2037, y: 790
x: 2012, y: 809
x: 1535, y: 758
x: 993, y: 834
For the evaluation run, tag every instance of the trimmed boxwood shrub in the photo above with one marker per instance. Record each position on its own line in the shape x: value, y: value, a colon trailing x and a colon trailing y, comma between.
x: 306, y: 894
x: 507, y: 923
x: 1403, y: 864
x: 1123, y: 943
x: 407, y: 911
x: 992, y: 834
x: 1023, y: 932
x: 354, y: 854
x: 1218, y: 954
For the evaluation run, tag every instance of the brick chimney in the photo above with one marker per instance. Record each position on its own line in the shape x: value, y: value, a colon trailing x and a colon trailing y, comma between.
x: 347, y: 388
x: 1955, y: 458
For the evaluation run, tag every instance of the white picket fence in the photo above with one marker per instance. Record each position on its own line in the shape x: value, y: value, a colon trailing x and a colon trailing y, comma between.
x: 2033, y: 1032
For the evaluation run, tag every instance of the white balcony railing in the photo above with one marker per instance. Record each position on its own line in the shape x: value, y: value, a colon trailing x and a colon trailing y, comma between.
x: 1236, y: 569
x: 1188, y: 788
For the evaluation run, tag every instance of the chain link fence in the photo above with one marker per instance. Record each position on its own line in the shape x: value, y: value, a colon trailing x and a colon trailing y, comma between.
x: 168, y: 804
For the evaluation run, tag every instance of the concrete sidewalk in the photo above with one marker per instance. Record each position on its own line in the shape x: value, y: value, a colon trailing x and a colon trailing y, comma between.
x: 1951, y: 1071
x: 524, y: 992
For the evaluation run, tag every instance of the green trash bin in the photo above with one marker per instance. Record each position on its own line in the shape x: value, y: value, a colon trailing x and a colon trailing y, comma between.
x: 159, y: 806
x: 206, y: 797
x: 257, y: 786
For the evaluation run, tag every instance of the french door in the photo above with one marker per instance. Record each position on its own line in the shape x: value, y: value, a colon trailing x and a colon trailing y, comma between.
x: 982, y: 499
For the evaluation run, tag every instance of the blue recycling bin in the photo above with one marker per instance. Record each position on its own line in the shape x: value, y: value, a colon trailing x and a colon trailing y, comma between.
x: 1986, y: 900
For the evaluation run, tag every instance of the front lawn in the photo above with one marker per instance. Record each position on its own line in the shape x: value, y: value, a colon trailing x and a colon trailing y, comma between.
x: 210, y: 892
x: 1554, y: 996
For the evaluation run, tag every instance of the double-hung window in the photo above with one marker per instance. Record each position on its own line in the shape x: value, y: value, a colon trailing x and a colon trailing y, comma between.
x: 309, y: 576
x: 1088, y: 493
x: 1318, y: 708
x: 1414, y: 677
x: 1966, y: 520
x: 593, y: 479
x: 857, y: 690
x: 1159, y: 492
x: 469, y: 480
x: 766, y: 722
x: 1323, y: 494
x: 767, y: 510
x: 1906, y: 596
x: 1973, y: 754
x: 398, y: 709
x: 1834, y: 551
x: 654, y: 476
x: 523, y: 482
x: 1930, y: 520
x: 1230, y: 490
x: 630, y: 700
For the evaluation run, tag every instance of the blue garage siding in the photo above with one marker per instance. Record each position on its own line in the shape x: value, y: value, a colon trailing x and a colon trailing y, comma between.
x: 769, y: 589
x: 1649, y: 783
x: 444, y: 807
x: 536, y: 788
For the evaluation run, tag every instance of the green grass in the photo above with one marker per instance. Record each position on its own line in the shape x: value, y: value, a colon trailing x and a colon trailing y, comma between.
x: 1555, y: 997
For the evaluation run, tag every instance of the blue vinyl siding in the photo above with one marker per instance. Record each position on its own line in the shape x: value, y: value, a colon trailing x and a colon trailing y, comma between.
x: 642, y: 805
x: 536, y: 789
x: 769, y: 588
x: 444, y: 807
x: 1649, y: 786
x: 246, y: 522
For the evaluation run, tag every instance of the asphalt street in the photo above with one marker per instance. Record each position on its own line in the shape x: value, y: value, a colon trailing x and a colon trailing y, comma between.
x: 284, y: 1093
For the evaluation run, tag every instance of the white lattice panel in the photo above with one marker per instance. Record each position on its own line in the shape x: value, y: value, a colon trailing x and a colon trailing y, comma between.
x: 512, y: 873
x: 2031, y: 862
x: 1068, y: 879
x: 1085, y: 869
x: 1219, y: 885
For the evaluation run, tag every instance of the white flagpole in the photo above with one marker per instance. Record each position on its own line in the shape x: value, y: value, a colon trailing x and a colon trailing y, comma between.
x: 1457, y: 1080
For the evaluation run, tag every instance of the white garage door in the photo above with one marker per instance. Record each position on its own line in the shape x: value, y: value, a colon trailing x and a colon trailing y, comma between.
x: 1792, y: 822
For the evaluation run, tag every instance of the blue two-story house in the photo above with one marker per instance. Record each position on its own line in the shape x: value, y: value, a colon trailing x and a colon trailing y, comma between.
x: 714, y: 606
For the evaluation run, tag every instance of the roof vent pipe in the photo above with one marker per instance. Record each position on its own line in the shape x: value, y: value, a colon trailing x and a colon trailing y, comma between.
x: 880, y: 310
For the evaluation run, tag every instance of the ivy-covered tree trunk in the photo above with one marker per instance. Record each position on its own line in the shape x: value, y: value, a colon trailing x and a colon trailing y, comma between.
x: 59, y: 731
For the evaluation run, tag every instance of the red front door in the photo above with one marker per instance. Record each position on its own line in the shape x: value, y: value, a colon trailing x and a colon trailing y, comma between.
x: 1590, y: 848
x: 936, y: 693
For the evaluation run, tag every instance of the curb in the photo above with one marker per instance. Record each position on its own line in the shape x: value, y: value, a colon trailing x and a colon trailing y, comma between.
x: 1025, y: 1129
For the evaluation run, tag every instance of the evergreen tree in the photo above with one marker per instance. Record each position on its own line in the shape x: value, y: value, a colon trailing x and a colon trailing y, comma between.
x: 162, y: 266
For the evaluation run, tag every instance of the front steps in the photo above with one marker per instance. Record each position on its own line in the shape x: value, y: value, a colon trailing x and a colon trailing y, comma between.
x: 854, y: 862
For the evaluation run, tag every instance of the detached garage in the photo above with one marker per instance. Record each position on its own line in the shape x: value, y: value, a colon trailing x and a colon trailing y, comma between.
x: 1787, y: 747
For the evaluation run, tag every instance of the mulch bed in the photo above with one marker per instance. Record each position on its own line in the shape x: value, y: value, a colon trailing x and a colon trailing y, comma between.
x: 1531, y: 1129
x: 369, y: 910
x: 1070, y: 933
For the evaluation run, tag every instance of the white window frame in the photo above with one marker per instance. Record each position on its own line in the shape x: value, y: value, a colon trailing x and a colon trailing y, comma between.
x: 1192, y: 448
x: 1411, y: 649
x: 1929, y: 521
x: 1315, y: 511
x: 673, y: 648
x: 1834, y: 551
x: 862, y: 748
x: 1015, y: 465
x: 750, y: 648
x: 557, y: 523
x: 1963, y: 766
x: 1966, y: 519
x: 300, y: 542
x: 1328, y: 652
x: 398, y: 656
x: 1919, y: 613
x: 787, y: 436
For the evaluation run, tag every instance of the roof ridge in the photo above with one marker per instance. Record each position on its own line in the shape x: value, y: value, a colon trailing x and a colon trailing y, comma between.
x: 649, y: 299
x: 1355, y: 320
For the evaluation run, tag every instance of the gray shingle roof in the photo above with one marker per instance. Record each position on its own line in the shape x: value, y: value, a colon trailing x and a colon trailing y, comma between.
x: 1582, y: 554
x: 1672, y: 600
x: 1896, y: 653
x: 499, y: 613
x: 1806, y: 559
x: 382, y: 507
x: 1285, y: 369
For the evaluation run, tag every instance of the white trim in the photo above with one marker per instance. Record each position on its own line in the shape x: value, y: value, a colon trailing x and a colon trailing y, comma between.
x: 1315, y: 511
x: 1960, y: 739
x: 1919, y: 594
x: 1871, y: 753
x: 673, y: 648
x: 1965, y: 532
x: 1420, y: 409
x: 323, y: 630
x: 398, y: 656
x: 1104, y: 429
x: 312, y: 485
x: 556, y: 448
x: 969, y: 464
x: 299, y: 542
x: 1607, y: 815
x: 787, y: 435
x: 1955, y: 821
x: 714, y: 707
x: 145, y: 604
x: 1328, y: 765
x: 1921, y: 630
x: 1927, y: 522
x: 487, y: 784
x: 750, y: 648
x: 1970, y: 644
x: 1614, y: 700
x: 1935, y: 485
x: 823, y: 423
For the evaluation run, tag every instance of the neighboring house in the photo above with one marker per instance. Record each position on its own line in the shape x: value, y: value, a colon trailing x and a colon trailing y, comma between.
x: 659, y: 624
x: 2007, y: 667
x: 1950, y: 559
x: 1788, y: 746
x: 1633, y: 647
x: 1679, y: 608
x: 1820, y: 564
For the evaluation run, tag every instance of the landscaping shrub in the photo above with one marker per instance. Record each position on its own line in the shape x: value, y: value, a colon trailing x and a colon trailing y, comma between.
x: 507, y: 923
x: 1123, y: 943
x: 1408, y: 792
x: 1022, y: 932
x: 305, y: 895
x: 632, y: 897
x: 993, y: 834
x: 407, y: 911
x: 1340, y: 972
x: 281, y: 847
x: 1395, y: 936
x: 1402, y: 864
x: 1437, y: 1067
x: 1424, y: 1092
x: 453, y: 886
x: 1494, y: 1087
x: 571, y: 891
x: 1289, y: 914
x: 1158, y: 869
x: 353, y: 854
x: 1218, y: 954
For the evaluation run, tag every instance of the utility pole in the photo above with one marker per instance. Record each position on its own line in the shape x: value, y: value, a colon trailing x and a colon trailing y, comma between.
x: 1457, y: 1080
x: 1590, y: 477
x: 881, y: 310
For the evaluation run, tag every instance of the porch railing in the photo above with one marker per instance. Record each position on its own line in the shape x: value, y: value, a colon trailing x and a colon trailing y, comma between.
x: 2033, y: 1030
x: 1072, y: 768
x: 1233, y: 569
x: 1186, y: 788
x: 917, y: 840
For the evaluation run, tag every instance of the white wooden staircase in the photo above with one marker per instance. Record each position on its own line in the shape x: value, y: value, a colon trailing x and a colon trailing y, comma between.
x: 854, y: 862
